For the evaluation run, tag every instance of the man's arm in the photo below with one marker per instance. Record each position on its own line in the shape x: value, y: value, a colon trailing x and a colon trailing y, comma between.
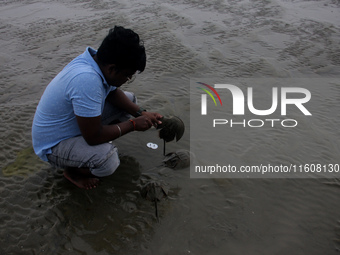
x: 95, y: 133
x: 120, y: 100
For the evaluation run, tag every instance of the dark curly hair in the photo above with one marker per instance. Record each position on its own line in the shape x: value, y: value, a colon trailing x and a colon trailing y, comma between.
x: 123, y: 48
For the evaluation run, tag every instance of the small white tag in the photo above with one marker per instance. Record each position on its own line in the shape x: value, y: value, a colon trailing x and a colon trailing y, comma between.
x: 152, y: 146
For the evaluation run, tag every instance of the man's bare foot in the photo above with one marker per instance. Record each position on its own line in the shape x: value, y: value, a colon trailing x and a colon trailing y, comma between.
x: 81, y: 181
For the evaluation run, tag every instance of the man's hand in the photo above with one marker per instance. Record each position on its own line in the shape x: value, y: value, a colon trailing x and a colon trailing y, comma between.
x: 147, y: 120
x: 154, y: 117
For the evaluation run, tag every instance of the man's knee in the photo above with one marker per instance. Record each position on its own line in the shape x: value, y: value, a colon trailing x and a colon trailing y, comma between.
x: 109, y: 165
x: 131, y: 96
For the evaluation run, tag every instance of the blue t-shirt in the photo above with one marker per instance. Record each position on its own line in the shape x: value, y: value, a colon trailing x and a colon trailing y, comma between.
x: 79, y: 89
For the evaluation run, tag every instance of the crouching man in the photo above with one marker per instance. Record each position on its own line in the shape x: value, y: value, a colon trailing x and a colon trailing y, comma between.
x: 82, y: 109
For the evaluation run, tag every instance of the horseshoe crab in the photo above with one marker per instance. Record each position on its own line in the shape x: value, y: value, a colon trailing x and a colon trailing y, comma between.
x: 154, y: 191
x: 170, y: 128
x: 178, y: 159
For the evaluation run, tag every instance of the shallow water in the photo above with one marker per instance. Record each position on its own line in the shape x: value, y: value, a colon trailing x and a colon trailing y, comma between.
x: 42, y: 213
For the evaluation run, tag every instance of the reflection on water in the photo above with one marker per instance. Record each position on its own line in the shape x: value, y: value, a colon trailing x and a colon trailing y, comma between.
x: 47, y: 209
x: 42, y: 213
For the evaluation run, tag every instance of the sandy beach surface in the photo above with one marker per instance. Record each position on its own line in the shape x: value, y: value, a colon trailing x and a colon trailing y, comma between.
x: 43, y: 213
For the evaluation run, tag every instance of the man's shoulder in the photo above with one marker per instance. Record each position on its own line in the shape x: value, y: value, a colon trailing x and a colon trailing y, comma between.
x: 81, y: 67
x: 80, y: 70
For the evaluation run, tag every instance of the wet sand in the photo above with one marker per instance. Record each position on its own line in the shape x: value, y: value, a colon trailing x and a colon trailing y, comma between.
x: 42, y: 213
